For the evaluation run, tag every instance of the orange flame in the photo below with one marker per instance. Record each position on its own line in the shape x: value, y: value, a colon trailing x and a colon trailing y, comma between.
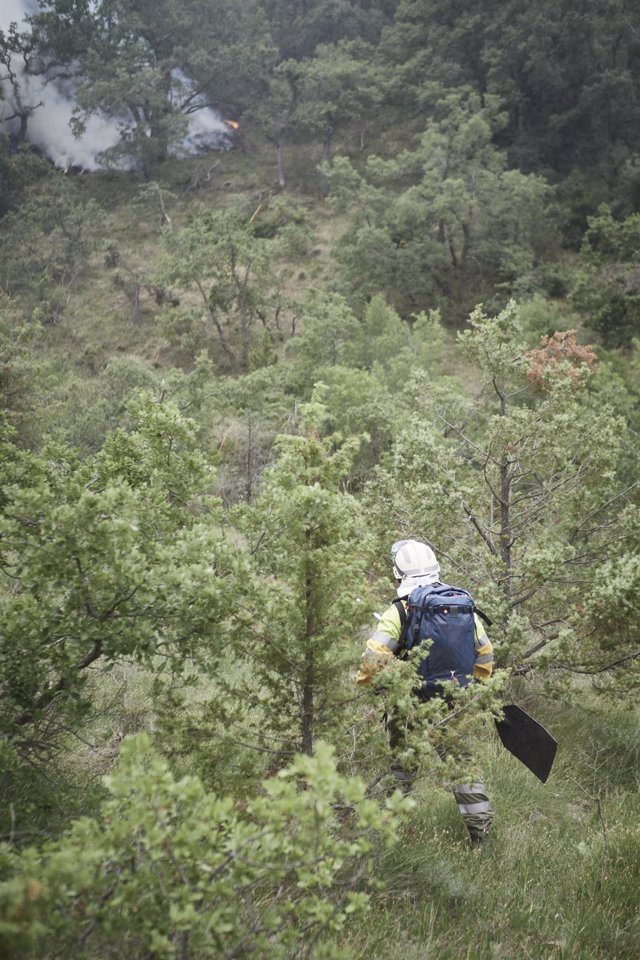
x: 233, y: 124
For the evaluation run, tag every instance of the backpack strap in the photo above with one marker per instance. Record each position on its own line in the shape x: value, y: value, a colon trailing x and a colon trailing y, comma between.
x: 404, y: 622
x: 484, y: 617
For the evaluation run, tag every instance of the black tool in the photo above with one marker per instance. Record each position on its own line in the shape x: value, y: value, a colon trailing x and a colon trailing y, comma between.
x: 527, y: 740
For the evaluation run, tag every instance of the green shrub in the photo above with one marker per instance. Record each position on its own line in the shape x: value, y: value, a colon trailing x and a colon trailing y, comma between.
x: 169, y: 870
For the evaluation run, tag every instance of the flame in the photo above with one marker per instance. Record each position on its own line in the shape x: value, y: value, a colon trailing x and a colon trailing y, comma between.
x: 233, y: 124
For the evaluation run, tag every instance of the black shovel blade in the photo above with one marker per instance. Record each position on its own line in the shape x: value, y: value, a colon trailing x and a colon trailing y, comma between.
x: 527, y: 740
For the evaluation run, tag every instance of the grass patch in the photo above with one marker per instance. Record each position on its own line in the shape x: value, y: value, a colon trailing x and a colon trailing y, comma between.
x: 559, y: 880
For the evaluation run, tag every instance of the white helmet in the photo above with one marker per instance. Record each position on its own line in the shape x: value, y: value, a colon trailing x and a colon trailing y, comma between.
x: 411, y: 558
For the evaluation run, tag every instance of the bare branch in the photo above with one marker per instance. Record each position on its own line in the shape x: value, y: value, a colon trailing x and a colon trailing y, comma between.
x: 483, y: 533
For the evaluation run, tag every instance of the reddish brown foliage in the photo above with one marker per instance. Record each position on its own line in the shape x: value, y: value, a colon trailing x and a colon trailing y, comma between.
x: 559, y: 354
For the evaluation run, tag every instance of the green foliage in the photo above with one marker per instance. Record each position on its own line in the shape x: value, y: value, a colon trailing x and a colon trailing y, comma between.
x: 18, y: 172
x: 541, y: 317
x: 305, y: 534
x: 440, y: 741
x: 461, y: 221
x: 171, y: 869
x: 20, y: 373
x: 340, y: 83
x: 119, y: 557
x: 568, y: 75
x: 329, y: 327
x: 132, y: 599
x: 231, y: 52
x: 220, y: 259
x: 242, y: 417
x: 367, y: 363
x: 104, y: 401
x: 297, y: 28
x: 275, y: 112
x: 287, y: 221
x: 45, y: 246
x: 359, y: 404
x: 517, y: 490
x: 606, y: 288
x: 608, y: 654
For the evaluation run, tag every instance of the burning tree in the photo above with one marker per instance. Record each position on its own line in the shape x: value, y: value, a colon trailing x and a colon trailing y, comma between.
x: 17, y: 61
x: 129, y: 63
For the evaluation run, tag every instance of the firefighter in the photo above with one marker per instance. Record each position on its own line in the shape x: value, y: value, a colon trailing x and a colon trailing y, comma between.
x: 415, y: 565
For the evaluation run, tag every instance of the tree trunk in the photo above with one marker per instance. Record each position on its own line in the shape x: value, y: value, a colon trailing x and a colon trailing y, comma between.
x: 215, y: 321
x: 307, y: 704
x: 244, y: 310
x: 279, y: 164
x: 327, y: 142
x: 308, y: 682
x: 505, y: 523
x: 506, y: 532
x: 248, y: 485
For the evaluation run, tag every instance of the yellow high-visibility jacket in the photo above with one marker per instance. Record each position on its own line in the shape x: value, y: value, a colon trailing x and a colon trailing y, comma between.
x: 383, y: 645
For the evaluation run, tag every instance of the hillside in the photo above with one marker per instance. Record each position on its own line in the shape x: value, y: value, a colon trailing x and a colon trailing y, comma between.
x: 393, y: 298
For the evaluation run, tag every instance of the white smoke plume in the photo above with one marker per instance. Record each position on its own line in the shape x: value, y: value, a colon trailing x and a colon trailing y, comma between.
x: 49, y: 123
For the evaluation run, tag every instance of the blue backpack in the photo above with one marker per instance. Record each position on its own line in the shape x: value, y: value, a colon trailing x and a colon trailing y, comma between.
x: 444, y: 615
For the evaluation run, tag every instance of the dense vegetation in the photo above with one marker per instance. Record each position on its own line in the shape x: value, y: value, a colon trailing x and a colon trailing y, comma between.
x: 402, y: 299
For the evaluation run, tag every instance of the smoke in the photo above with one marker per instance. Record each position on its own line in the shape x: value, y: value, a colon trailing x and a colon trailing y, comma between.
x: 206, y: 128
x: 50, y: 104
